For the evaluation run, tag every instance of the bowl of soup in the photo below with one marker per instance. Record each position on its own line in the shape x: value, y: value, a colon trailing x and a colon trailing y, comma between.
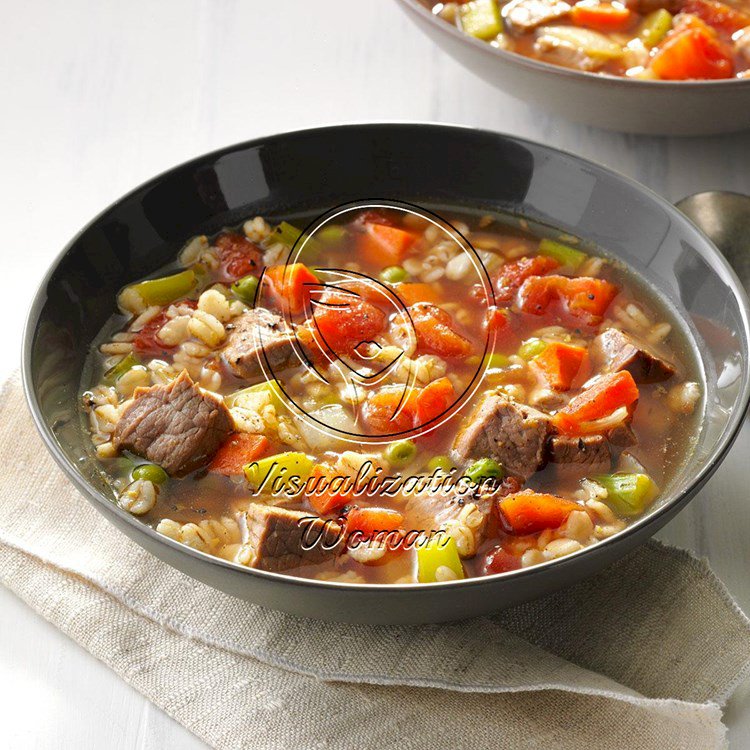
x: 376, y: 396
x: 663, y: 68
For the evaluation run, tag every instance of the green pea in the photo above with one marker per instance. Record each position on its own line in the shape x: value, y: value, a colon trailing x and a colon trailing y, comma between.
x: 393, y: 275
x: 496, y: 361
x: 400, y: 453
x: 332, y: 233
x: 442, y: 463
x: 245, y: 289
x: 484, y: 468
x: 531, y: 348
x: 150, y: 472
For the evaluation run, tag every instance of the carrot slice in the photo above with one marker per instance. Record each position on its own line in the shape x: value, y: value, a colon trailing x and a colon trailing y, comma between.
x: 290, y: 285
x: 385, y: 413
x: 601, y: 16
x: 530, y: 512
x: 372, y: 520
x: 410, y: 293
x: 329, y: 489
x: 608, y: 393
x: 383, y: 245
x: 693, y: 54
x: 239, y: 449
x: 559, y: 364
x: 434, y: 400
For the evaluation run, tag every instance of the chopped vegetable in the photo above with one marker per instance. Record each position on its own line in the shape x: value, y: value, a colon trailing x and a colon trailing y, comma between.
x: 717, y: 15
x: 394, y: 274
x: 412, y: 292
x: 438, y: 560
x: 564, y: 254
x: 150, y: 472
x: 117, y: 371
x: 331, y: 234
x: 481, y: 18
x: 628, y: 494
x: 654, y: 27
x: 265, y: 472
x: 434, y: 329
x: 694, y: 53
x: 245, y: 288
x: 607, y: 394
x: 370, y: 521
x: 602, y: 16
x: 400, y: 453
x: 331, y: 491
x: 147, y: 341
x: 484, y: 468
x: 166, y: 289
x: 511, y: 276
x: 530, y: 512
x: 389, y: 411
x: 559, y: 364
x: 500, y: 560
x: 290, y: 285
x: 383, y: 245
x: 238, y: 256
x: 439, y: 463
x: 598, y: 47
x: 531, y: 348
x: 583, y: 296
x: 240, y: 449
x: 496, y: 361
x: 434, y: 400
x: 287, y: 234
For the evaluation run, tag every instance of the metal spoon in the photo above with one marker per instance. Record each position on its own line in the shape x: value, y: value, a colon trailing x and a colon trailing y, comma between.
x: 725, y: 218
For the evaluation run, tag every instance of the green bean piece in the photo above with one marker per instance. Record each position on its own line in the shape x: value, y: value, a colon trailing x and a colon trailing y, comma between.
x: 400, y: 452
x: 150, y: 472
x: 531, y: 348
x: 628, y: 494
x: 117, y: 371
x: 439, y: 463
x: 563, y: 254
x: 484, y: 468
x: 439, y: 551
x: 393, y: 275
x: 654, y: 27
x: 245, y: 289
x: 481, y: 18
x: 166, y: 289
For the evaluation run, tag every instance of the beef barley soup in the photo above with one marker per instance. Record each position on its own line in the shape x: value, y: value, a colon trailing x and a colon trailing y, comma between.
x: 391, y: 404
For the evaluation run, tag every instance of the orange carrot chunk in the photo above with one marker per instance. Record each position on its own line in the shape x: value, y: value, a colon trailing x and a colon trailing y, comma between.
x: 434, y: 400
x: 239, y: 449
x: 329, y: 489
x: 383, y: 245
x: 434, y: 329
x: 601, y: 16
x: 692, y: 54
x: 530, y: 512
x: 371, y: 520
x: 410, y: 293
x: 559, y: 364
x: 290, y: 285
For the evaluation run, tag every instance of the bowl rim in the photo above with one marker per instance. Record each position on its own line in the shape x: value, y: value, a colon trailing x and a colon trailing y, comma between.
x: 515, y: 58
x: 713, y: 460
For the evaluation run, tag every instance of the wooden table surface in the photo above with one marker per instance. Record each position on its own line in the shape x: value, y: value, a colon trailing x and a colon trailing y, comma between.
x: 101, y: 95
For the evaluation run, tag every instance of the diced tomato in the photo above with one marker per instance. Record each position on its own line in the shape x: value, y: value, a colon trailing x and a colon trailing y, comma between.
x: 512, y: 275
x: 331, y: 491
x: 694, y: 53
x: 718, y: 15
x: 239, y: 449
x: 529, y: 512
x: 602, y: 398
x: 498, y: 321
x: 500, y: 561
x: 559, y: 364
x: 384, y: 245
x: 434, y: 400
x: 391, y: 411
x: 371, y: 520
x: 344, y: 319
x: 583, y: 297
x: 290, y: 285
x: 147, y: 342
x: 434, y: 329
x: 410, y: 293
x: 601, y: 16
x: 238, y: 257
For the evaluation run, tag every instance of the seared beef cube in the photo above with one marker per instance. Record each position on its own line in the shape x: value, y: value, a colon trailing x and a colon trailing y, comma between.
x: 282, y: 539
x: 614, y: 350
x: 622, y: 436
x: 177, y: 426
x: 513, y: 434
x: 254, y: 334
x: 589, y: 451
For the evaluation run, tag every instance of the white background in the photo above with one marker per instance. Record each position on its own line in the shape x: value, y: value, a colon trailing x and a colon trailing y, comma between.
x: 98, y: 96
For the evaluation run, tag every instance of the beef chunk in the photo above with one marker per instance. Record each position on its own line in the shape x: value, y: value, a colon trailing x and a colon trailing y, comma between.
x: 254, y: 334
x: 589, y: 451
x: 614, y: 350
x: 622, y: 436
x: 282, y: 539
x: 525, y: 15
x: 177, y: 426
x: 511, y: 433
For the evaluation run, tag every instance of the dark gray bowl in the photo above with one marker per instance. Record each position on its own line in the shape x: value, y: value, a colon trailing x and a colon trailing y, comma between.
x: 611, y: 102
x: 428, y: 164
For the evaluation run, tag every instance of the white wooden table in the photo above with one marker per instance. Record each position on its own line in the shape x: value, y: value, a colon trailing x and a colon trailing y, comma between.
x: 100, y: 95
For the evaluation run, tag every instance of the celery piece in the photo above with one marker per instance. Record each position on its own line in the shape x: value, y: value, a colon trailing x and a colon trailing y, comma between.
x: 117, y: 371
x: 531, y: 348
x: 654, y: 27
x: 287, y: 234
x: 166, y: 289
x: 496, y: 361
x: 266, y: 471
x: 597, y: 46
x: 481, y: 18
x: 628, y: 494
x: 439, y: 551
x: 247, y: 396
x: 331, y: 233
x: 563, y: 254
x: 245, y: 288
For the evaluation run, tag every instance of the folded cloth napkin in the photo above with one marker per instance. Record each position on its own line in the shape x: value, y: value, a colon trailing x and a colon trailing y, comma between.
x: 641, y: 655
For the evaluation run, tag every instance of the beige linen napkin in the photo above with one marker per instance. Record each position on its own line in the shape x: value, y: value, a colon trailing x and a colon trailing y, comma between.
x: 640, y: 656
